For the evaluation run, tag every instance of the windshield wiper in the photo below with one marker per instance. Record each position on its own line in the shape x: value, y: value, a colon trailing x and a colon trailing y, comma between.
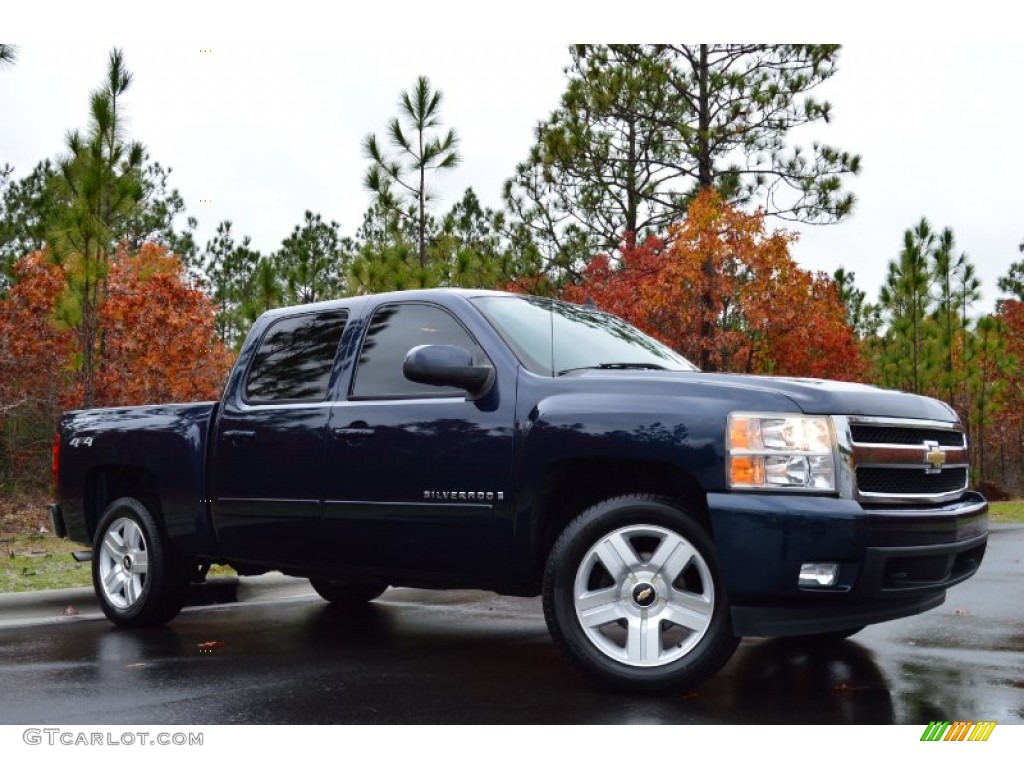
x: 616, y: 367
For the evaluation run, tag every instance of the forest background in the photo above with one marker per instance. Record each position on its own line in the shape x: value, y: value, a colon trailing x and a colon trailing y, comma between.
x: 667, y: 185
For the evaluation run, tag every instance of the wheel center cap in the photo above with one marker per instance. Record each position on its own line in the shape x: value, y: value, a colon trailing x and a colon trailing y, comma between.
x: 644, y: 595
x: 126, y: 563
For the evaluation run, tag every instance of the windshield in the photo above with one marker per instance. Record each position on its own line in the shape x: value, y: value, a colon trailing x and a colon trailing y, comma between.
x: 552, y: 338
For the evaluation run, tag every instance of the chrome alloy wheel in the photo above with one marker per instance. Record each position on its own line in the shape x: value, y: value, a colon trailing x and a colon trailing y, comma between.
x: 644, y: 595
x: 123, y: 563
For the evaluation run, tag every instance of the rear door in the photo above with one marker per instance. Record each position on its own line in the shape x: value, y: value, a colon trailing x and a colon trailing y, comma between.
x: 269, y: 444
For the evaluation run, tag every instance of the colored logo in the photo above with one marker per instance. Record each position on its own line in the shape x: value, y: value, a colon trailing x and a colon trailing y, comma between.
x: 934, y: 456
x: 943, y: 730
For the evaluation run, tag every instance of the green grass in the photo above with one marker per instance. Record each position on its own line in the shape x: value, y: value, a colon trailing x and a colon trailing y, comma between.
x: 40, y: 561
x: 1006, y: 511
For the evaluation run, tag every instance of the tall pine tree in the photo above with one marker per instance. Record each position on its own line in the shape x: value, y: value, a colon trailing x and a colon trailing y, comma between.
x: 399, y: 182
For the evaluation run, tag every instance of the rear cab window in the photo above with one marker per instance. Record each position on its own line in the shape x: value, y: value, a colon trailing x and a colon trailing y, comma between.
x: 295, y: 358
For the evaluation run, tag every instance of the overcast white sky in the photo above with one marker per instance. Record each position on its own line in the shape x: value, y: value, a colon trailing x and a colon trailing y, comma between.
x: 259, y: 133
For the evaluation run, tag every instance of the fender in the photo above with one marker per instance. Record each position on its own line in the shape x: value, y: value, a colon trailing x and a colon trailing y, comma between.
x: 166, y: 441
x: 678, y: 420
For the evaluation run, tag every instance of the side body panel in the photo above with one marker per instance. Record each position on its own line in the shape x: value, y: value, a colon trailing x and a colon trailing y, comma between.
x: 166, y: 442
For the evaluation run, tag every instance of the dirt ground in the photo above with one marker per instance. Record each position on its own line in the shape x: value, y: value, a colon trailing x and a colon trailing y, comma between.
x: 24, y: 514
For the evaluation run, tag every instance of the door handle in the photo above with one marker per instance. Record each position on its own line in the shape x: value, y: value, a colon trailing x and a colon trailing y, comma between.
x: 239, y: 436
x: 354, y: 433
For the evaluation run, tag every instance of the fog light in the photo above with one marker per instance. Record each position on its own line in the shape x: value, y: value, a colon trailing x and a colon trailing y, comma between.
x: 818, y: 574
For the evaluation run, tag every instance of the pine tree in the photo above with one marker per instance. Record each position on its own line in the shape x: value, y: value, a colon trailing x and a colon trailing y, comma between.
x: 399, y: 183
x: 905, y: 299
x: 956, y: 290
x: 227, y: 269
x: 312, y: 262
x: 100, y: 180
x: 642, y: 128
x: 1013, y: 281
x: 862, y: 316
x: 988, y: 363
x: 8, y: 54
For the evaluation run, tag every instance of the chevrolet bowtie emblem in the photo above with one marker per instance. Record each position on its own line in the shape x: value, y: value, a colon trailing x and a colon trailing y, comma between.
x: 644, y: 595
x: 934, y: 456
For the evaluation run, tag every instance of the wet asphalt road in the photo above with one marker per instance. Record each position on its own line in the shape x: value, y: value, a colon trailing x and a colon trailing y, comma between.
x: 468, y: 657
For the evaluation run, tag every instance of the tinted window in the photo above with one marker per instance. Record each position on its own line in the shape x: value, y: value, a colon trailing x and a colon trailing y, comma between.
x: 393, y: 331
x: 295, y: 358
x: 554, y: 337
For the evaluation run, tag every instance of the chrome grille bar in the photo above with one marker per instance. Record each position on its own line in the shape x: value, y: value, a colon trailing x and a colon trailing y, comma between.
x: 907, y: 461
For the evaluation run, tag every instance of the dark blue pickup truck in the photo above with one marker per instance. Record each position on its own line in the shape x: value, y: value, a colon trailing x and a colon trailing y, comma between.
x: 475, y: 439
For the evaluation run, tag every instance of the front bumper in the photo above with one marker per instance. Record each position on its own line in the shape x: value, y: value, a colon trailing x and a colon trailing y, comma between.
x: 894, y: 562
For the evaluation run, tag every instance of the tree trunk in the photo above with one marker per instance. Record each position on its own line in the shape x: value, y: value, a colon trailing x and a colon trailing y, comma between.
x: 632, y: 193
x: 706, y: 180
x: 423, y: 205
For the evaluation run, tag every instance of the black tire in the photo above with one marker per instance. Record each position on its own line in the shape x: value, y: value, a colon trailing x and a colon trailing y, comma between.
x: 132, y: 594
x: 629, y: 642
x: 347, y: 594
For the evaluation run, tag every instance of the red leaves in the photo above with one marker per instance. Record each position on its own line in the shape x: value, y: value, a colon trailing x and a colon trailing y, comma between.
x: 1010, y: 416
x: 723, y: 290
x: 34, y: 349
x: 155, y: 344
x: 159, y: 343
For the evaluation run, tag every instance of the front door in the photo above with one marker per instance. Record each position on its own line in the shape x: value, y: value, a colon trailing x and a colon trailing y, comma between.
x: 418, y: 476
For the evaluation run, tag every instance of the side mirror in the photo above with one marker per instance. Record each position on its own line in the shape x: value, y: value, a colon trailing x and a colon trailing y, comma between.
x: 444, y: 365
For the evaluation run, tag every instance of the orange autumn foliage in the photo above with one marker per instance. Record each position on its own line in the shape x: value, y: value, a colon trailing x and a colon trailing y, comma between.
x: 722, y: 272
x: 1007, y: 426
x: 35, y: 353
x: 159, y: 343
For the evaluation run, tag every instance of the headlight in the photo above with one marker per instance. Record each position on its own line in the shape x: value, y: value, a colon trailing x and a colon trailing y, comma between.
x: 781, y: 451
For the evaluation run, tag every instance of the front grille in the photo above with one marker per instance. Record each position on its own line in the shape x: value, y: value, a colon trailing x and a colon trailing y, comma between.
x: 886, y: 435
x: 907, y: 461
x: 910, y: 481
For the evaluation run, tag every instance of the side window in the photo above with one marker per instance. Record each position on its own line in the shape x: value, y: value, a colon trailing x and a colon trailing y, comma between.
x: 394, y: 330
x: 295, y: 358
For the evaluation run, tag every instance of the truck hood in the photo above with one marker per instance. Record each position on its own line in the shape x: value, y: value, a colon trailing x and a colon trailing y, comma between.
x: 812, y: 396
x: 820, y: 396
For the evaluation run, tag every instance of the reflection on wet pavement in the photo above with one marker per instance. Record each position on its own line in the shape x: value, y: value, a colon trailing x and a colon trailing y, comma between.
x: 470, y: 657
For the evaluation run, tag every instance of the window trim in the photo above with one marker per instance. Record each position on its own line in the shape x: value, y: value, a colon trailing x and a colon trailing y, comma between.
x: 244, y: 384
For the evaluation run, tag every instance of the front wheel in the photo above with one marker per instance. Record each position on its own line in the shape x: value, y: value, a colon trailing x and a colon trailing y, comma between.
x: 139, y: 580
x: 633, y: 594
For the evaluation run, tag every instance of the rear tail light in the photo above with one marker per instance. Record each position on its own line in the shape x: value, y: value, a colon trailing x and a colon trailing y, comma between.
x: 55, y: 460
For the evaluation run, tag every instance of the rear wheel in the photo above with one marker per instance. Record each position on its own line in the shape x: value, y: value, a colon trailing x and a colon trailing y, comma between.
x: 633, y: 594
x: 139, y: 580
x: 347, y: 594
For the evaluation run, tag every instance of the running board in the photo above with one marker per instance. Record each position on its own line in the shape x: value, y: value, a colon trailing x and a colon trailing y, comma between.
x: 82, y: 557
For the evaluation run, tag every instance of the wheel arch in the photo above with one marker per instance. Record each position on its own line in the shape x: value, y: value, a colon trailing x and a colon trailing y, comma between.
x: 569, y: 487
x: 108, y: 482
